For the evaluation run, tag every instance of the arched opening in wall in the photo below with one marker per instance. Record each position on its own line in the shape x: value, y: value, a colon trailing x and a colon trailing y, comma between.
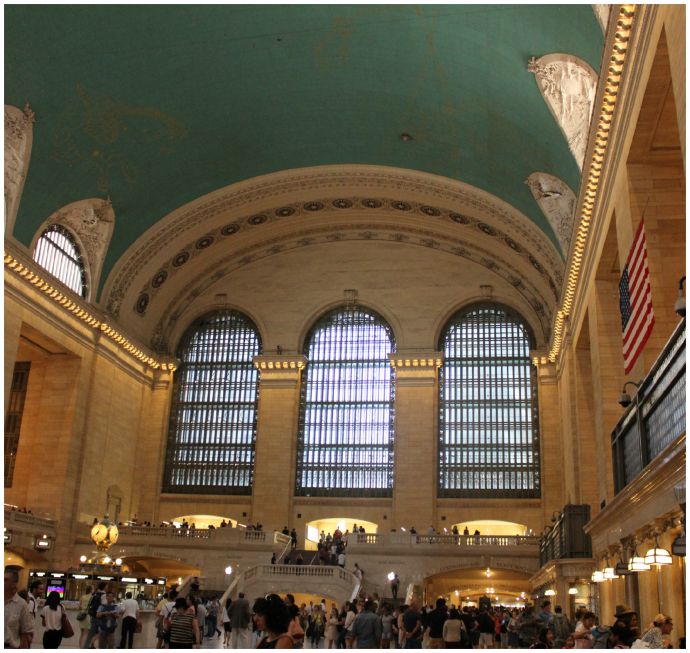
x: 476, y: 585
x: 313, y: 530
x: 174, y: 572
x: 204, y: 521
x: 114, y: 503
x: 491, y: 527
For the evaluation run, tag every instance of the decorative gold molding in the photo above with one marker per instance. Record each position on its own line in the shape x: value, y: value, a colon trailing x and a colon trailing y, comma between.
x: 590, y: 192
x: 279, y: 362
x: 416, y: 359
x: 82, y: 312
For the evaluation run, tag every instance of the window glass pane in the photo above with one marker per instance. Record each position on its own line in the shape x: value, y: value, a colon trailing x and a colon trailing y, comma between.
x: 489, y: 435
x: 213, y: 417
x: 345, y: 444
x: 57, y: 252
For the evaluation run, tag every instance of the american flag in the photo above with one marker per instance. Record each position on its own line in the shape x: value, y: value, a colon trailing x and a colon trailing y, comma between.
x: 637, y: 316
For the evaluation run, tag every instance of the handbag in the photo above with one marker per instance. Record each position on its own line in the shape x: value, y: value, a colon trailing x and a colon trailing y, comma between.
x: 67, y: 630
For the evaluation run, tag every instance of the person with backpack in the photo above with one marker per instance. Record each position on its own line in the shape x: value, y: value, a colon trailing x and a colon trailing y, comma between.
x: 107, y: 616
x: 92, y: 611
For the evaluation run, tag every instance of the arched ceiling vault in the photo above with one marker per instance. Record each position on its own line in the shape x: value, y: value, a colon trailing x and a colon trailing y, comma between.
x: 156, y: 106
x: 195, y: 247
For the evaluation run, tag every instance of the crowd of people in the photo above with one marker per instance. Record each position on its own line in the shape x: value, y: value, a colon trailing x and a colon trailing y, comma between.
x: 275, y: 622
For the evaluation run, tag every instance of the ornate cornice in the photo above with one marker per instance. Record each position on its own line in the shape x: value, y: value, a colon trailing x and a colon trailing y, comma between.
x: 279, y: 362
x: 416, y: 359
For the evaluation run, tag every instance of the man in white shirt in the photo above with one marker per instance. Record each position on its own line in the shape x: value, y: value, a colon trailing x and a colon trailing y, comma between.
x: 129, y: 609
x: 19, y: 625
x: 35, y: 593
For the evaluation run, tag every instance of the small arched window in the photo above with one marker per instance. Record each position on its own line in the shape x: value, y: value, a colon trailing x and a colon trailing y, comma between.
x: 488, y: 419
x: 345, y: 442
x: 213, y: 417
x: 57, y: 251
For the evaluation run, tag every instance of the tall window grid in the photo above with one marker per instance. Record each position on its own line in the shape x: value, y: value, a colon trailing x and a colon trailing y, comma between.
x: 212, y: 431
x: 489, y: 430
x: 13, y: 419
x: 57, y: 251
x: 345, y: 443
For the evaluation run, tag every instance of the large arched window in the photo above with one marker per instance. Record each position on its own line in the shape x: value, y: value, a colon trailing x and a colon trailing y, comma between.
x: 57, y: 251
x: 489, y: 433
x: 345, y: 444
x: 213, y: 417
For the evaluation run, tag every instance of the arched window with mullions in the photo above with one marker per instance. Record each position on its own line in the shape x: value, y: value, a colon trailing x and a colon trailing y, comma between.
x: 345, y: 443
x: 488, y: 421
x: 212, y: 432
x: 57, y: 251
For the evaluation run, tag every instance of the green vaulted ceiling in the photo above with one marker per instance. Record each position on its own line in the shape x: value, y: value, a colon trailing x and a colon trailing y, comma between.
x: 157, y: 105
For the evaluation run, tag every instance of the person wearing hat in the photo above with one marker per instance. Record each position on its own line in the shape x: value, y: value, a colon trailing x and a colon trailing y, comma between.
x: 661, y: 626
x: 628, y: 617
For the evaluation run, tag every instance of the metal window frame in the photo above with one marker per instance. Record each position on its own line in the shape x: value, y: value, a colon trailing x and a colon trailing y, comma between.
x: 13, y: 419
x: 468, y: 465
x: 330, y: 450
x: 216, y: 391
x: 66, y: 265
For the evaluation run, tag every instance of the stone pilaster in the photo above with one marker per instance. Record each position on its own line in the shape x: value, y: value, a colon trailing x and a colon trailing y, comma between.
x: 416, y: 447
x: 276, y: 446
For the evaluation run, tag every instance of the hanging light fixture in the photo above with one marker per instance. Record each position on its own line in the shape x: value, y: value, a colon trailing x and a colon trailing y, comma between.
x: 598, y: 577
x: 657, y: 556
x: 550, y: 592
x: 572, y: 590
x: 636, y: 562
x: 609, y: 572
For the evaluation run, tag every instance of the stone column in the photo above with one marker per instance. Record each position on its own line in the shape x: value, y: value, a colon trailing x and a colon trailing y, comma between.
x: 276, y: 444
x: 13, y: 327
x: 416, y: 439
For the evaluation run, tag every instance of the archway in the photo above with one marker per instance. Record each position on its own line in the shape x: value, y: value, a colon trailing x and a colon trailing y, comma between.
x: 465, y: 586
x: 328, y: 525
x: 204, y: 521
x: 492, y: 527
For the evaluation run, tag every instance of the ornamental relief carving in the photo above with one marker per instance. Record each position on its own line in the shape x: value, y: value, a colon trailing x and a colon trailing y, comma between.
x: 92, y: 221
x: 568, y: 86
x: 223, y: 207
x: 177, y: 305
x: 557, y: 202
x: 18, y: 140
x: 179, y: 261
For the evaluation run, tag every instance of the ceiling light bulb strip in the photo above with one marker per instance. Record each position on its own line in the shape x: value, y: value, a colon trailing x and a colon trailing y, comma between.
x: 610, y: 98
x: 83, y: 314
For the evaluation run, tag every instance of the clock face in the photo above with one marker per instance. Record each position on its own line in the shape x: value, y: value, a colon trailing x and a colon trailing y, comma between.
x: 113, y: 534
x: 99, y: 533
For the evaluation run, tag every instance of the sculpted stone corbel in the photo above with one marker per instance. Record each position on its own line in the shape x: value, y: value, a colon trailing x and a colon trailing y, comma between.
x: 568, y: 85
x: 18, y: 140
x: 557, y: 202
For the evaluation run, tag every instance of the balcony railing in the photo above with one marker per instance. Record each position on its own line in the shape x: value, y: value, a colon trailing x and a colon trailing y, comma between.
x: 213, y: 535
x: 567, y: 538
x: 424, y: 540
x: 657, y: 415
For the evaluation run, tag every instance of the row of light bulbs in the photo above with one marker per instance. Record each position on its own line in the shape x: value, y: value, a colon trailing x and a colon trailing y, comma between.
x: 654, y: 556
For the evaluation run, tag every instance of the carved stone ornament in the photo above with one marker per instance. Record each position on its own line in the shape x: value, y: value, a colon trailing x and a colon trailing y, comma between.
x: 557, y: 202
x: 568, y: 86
x: 18, y: 140
x: 92, y: 222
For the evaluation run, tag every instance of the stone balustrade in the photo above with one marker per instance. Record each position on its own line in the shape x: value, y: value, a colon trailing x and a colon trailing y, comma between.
x: 368, y: 540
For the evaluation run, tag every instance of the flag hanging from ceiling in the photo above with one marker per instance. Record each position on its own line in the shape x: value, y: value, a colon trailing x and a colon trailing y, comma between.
x: 637, y: 316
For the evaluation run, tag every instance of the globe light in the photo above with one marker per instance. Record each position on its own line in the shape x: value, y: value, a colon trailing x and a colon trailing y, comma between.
x: 391, y: 575
x: 83, y: 559
x: 118, y: 561
x: 228, y: 570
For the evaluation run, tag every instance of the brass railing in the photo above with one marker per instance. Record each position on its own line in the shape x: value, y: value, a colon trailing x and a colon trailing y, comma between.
x: 656, y: 417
